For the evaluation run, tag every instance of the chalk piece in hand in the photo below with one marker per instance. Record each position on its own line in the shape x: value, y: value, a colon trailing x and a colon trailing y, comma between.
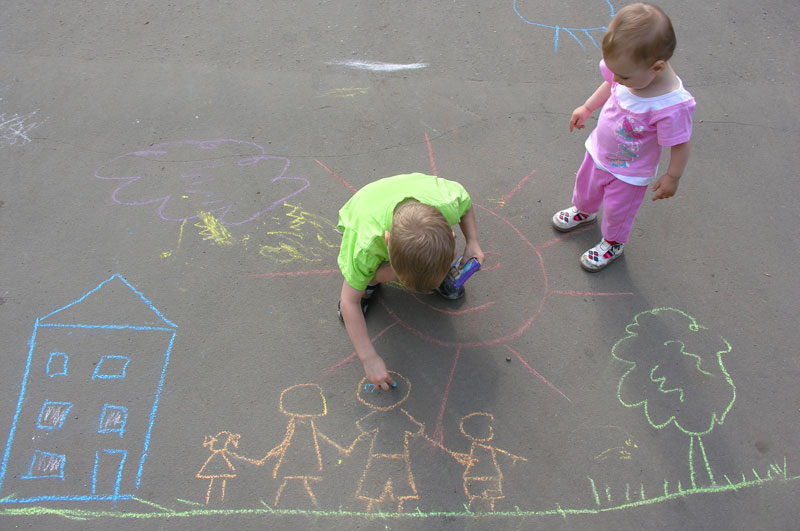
x: 394, y: 384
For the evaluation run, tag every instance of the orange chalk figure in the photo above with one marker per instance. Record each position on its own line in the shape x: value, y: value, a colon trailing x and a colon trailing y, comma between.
x: 387, y: 476
x: 483, y: 477
x: 218, y: 465
x: 298, y: 458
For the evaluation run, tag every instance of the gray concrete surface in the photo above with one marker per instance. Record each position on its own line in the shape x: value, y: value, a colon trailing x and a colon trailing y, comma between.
x: 247, y: 125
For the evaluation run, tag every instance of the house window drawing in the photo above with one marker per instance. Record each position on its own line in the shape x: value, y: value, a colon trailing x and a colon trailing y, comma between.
x: 85, y: 433
x: 112, y: 419
x: 46, y: 465
x: 53, y: 415
x: 57, y: 364
x: 111, y: 368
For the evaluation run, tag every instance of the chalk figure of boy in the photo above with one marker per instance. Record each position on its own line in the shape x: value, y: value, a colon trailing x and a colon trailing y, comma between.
x: 644, y: 108
x: 387, y: 479
x: 399, y: 227
x: 483, y: 476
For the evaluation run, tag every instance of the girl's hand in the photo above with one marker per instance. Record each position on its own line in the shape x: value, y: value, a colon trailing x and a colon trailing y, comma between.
x: 579, y: 117
x: 665, y: 187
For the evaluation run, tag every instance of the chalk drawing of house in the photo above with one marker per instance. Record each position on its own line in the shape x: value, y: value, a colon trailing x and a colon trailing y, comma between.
x: 88, y: 399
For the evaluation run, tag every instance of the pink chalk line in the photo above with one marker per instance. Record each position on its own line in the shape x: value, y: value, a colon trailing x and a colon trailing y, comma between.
x: 295, y: 273
x: 514, y: 191
x: 533, y: 372
x: 477, y: 344
x: 498, y: 265
x: 495, y: 256
x: 560, y: 239
x: 438, y: 433
x: 430, y: 155
x: 454, y: 312
x: 347, y: 184
x: 348, y: 359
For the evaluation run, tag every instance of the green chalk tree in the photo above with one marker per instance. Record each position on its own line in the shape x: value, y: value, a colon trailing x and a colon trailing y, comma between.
x: 677, y: 376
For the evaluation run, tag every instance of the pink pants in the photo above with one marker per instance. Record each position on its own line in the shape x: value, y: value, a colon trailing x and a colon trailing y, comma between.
x: 620, y: 201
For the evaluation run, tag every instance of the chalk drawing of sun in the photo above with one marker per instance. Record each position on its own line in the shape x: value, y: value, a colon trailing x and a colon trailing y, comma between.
x: 543, y: 15
x: 511, y: 293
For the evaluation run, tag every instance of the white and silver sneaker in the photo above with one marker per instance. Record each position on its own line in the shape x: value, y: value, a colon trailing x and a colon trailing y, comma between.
x: 599, y: 256
x: 571, y: 219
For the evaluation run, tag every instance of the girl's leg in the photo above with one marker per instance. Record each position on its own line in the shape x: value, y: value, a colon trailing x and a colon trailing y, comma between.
x: 621, y: 202
x: 587, y: 196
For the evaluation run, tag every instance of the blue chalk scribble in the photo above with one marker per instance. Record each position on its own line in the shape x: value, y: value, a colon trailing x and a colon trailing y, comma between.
x: 573, y: 32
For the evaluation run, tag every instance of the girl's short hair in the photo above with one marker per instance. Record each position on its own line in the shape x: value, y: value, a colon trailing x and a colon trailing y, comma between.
x: 421, y: 246
x: 642, y: 30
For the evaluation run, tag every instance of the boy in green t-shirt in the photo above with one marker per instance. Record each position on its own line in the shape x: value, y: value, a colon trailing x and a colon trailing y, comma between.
x: 400, y: 227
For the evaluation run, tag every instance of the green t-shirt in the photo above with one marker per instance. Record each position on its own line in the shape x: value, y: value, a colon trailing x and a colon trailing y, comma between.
x: 365, y: 218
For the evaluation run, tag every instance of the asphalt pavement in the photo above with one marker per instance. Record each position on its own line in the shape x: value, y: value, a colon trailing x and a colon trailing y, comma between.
x: 171, y: 177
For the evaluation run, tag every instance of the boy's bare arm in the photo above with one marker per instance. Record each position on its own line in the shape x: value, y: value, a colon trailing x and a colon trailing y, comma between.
x: 356, y: 326
x: 595, y: 101
x: 470, y: 230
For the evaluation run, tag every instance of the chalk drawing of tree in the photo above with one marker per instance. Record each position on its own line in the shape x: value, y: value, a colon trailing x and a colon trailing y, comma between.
x: 677, y: 376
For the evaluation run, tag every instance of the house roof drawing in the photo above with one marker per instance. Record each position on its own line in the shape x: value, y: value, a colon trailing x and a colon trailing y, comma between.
x: 114, y: 303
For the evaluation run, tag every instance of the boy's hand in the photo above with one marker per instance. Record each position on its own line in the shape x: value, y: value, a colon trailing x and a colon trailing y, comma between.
x: 579, y: 117
x: 473, y: 249
x: 376, y: 372
x: 665, y: 187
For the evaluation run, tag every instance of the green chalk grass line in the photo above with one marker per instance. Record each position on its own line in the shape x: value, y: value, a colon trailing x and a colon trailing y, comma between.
x: 79, y: 514
x: 594, y: 491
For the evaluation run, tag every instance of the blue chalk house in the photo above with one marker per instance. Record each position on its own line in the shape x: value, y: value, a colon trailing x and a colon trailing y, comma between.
x: 88, y: 399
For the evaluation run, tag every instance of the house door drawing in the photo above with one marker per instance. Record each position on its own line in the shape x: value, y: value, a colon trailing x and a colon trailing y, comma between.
x: 107, y: 474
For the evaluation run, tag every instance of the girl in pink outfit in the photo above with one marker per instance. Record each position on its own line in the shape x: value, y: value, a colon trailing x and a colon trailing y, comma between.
x: 644, y: 108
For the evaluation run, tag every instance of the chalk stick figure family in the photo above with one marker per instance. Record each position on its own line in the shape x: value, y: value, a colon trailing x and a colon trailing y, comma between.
x: 387, y: 480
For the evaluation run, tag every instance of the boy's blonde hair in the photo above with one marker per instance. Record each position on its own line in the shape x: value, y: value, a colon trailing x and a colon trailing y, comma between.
x: 421, y: 246
x: 642, y: 30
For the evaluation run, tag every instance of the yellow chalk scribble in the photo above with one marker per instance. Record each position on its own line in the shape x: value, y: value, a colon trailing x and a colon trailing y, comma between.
x: 349, y: 92
x: 213, y: 229
x: 167, y: 254
x: 306, y: 237
x: 180, y: 233
x: 623, y: 452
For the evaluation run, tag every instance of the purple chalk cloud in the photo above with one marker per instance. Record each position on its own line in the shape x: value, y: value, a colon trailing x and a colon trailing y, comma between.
x: 233, y: 179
